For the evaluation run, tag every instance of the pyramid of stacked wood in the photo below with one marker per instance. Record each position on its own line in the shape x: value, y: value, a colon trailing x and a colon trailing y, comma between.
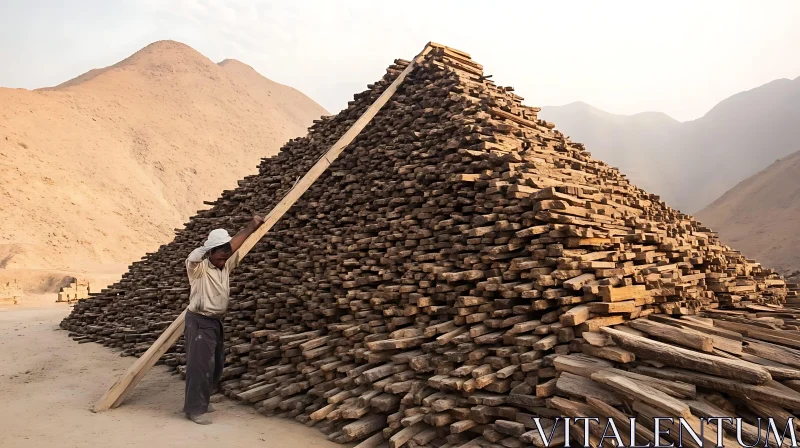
x: 459, y: 269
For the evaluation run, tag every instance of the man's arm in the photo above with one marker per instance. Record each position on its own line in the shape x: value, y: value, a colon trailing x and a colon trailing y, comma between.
x: 241, y: 236
x: 197, y: 255
x: 194, y: 260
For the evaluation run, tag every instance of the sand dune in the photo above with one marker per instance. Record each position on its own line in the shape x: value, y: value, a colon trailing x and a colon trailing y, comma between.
x: 100, y: 169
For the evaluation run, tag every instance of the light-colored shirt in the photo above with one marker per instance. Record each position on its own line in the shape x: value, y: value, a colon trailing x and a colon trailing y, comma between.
x: 210, y: 286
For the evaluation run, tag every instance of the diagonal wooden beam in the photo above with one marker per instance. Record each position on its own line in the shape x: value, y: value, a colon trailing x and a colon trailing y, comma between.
x: 325, y: 161
x: 125, y: 384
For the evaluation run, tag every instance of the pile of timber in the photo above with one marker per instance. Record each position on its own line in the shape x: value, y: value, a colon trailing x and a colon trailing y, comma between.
x: 460, y: 268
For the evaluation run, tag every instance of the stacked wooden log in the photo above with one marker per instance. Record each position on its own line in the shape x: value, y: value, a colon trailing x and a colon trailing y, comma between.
x: 461, y: 268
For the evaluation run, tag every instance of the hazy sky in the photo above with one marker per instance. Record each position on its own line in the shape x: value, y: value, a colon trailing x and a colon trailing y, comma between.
x: 678, y: 57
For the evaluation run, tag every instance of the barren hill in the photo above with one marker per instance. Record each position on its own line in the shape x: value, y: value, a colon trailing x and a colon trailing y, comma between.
x: 690, y: 164
x: 101, y: 169
x: 761, y: 215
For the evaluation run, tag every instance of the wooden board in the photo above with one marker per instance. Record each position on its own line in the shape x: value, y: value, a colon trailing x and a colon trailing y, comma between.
x: 326, y: 160
x: 125, y: 384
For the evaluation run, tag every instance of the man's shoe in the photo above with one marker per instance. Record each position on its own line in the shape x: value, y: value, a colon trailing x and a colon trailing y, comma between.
x: 200, y: 419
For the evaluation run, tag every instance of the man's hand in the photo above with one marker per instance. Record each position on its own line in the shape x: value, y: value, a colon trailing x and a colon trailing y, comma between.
x: 248, y: 230
x: 257, y: 221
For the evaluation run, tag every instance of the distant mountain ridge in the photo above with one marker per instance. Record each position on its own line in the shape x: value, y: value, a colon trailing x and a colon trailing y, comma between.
x: 690, y: 164
x: 620, y: 140
x: 761, y: 215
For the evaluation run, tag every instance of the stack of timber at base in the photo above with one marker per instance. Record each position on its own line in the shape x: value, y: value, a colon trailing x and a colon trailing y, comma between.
x: 460, y: 268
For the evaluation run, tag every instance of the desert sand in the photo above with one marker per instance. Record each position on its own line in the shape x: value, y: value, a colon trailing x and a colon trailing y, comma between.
x: 101, y: 169
x: 48, y: 383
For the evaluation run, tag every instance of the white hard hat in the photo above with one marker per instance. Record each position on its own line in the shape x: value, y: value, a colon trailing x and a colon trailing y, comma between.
x: 216, y: 238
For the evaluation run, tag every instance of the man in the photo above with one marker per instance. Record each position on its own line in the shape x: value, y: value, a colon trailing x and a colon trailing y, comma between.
x: 209, y: 278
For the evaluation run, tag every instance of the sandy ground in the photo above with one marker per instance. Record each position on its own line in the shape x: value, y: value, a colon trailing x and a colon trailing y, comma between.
x: 48, y: 383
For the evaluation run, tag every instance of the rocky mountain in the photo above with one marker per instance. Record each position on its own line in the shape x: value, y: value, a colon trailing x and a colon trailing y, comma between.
x: 761, y: 215
x: 690, y: 164
x: 625, y: 141
x: 100, y: 169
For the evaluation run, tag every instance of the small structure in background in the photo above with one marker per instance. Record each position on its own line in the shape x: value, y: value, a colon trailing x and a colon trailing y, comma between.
x: 10, y: 293
x: 77, y: 290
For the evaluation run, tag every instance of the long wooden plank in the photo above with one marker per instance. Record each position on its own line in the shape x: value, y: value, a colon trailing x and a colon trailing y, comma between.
x: 680, y: 357
x: 642, y: 392
x: 685, y: 337
x: 125, y: 384
x: 157, y: 354
x: 325, y: 161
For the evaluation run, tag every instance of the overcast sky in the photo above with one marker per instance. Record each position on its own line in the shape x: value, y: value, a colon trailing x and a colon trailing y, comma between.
x: 677, y: 57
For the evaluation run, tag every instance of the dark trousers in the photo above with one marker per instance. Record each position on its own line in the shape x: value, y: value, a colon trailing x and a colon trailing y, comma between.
x: 205, y: 358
